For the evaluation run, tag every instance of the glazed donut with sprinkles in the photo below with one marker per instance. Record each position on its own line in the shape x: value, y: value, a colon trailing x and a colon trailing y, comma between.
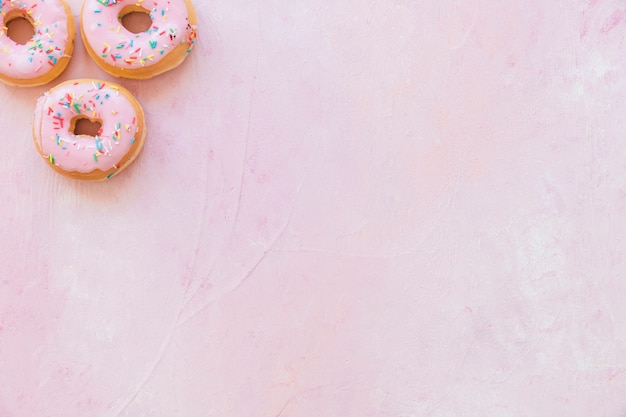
x: 112, y: 148
x: 164, y: 45
x: 43, y: 57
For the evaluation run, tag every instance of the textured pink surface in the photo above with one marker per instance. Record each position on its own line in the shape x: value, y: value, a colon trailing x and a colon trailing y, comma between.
x: 352, y: 208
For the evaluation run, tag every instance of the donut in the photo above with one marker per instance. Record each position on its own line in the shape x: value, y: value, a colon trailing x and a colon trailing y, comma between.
x: 44, y: 57
x: 122, y: 53
x: 76, y: 155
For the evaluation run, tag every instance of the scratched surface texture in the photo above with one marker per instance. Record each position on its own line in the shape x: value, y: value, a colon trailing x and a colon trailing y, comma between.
x: 349, y: 208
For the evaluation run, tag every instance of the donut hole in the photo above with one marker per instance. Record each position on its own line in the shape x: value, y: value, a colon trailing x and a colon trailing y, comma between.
x: 19, y: 28
x: 135, y: 19
x: 85, y: 126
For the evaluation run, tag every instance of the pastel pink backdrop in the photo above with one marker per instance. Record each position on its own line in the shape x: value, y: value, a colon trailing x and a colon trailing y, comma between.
x: 347, y: 208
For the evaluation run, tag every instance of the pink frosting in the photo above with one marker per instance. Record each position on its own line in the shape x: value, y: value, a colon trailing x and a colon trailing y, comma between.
x: 82, y: 153
x: 39, y: 55
x: 121, y: 48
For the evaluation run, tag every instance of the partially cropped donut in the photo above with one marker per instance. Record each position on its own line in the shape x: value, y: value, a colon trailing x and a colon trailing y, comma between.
x: 44, y: 57
x: 80, y: 156
x: 122, y: 53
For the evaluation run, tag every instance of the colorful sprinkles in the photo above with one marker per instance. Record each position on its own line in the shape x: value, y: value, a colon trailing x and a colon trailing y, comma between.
x: 95, y: 100
x: 48, y: 44
x: 118, y: 47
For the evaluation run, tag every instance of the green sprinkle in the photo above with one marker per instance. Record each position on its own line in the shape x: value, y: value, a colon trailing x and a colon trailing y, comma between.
x: 95, y: 157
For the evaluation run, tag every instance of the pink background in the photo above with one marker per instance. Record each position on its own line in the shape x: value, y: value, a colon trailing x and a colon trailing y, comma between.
x: 348, y: 208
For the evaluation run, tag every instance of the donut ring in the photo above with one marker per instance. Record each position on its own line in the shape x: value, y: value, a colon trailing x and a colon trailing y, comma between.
x: 92, y: 158
x: 46, y: 55
x: 121, y: 53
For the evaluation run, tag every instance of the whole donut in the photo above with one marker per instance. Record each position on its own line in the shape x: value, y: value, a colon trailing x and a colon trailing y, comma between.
x: 122, y: 53
x: 93, y: 158
x: 47, y: 53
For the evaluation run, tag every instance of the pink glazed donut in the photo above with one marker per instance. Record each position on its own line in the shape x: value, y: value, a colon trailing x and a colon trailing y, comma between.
x: 44, y: 57
x: 122, y: 53
x: 80, y: 156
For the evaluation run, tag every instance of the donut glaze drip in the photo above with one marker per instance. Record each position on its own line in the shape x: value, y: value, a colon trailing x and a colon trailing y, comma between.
x: 81, y: 153
x: 48, y: 45
x: 118, y: 47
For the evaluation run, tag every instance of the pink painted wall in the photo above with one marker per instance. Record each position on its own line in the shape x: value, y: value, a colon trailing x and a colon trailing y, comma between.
x: 350, y: 208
